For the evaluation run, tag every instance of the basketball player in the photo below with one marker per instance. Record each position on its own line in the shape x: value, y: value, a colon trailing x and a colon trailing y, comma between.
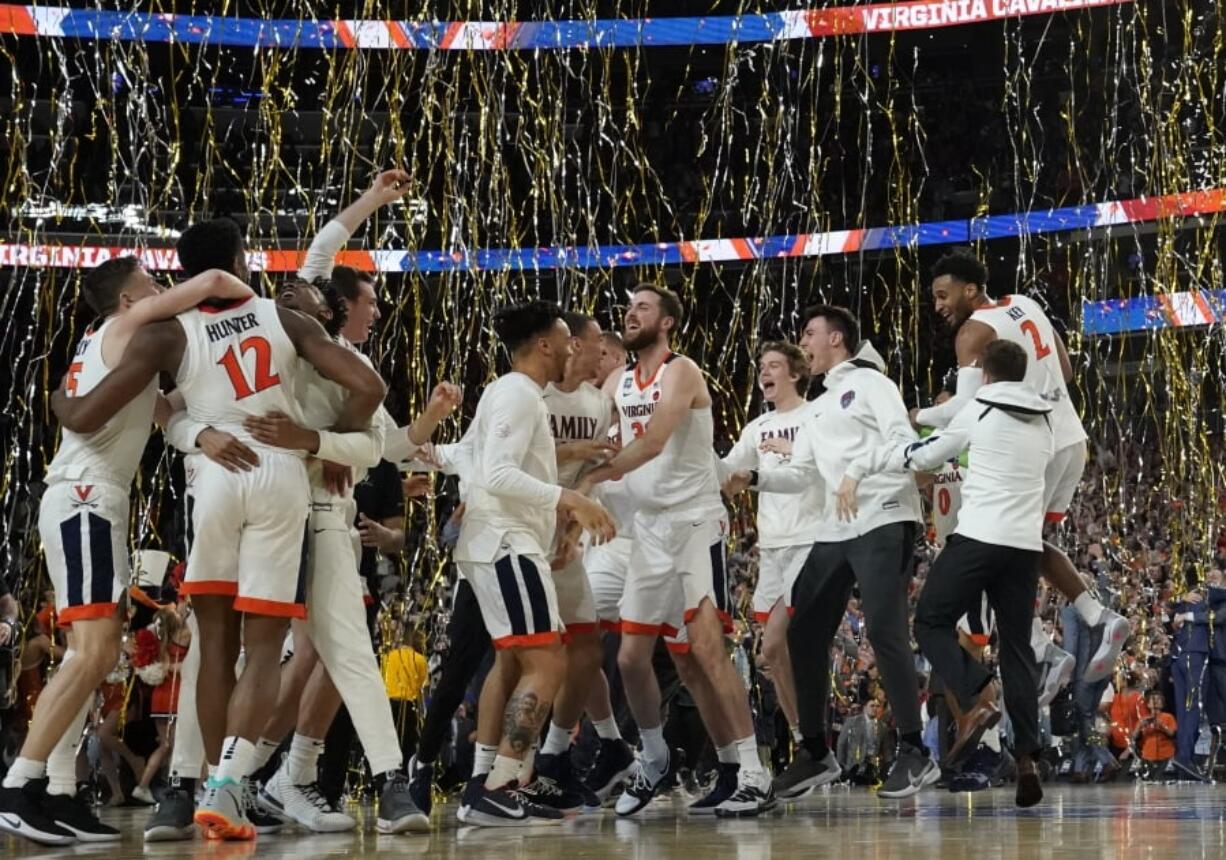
x: 787, y: 525
x: 580, y: 415
x: 606, y: 566
x: 513, y: 502
x: 860, y: 410
x: 83, y: 523
x: 246, y: 568
x: 995, y: 548
x: 334, y: 641
x: 678, y: 579
x: 959, y: 293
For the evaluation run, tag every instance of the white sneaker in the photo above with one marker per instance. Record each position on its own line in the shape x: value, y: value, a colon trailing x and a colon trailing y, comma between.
x: 1116, y: 630
x: 304, y: 805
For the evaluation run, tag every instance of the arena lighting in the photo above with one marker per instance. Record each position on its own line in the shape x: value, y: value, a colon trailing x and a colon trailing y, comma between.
x: 130, y: 216
x: 58, y: 22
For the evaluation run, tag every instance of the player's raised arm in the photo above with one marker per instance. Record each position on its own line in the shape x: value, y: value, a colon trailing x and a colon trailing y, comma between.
x: 344, y: 367
x: 972, y: 338
x: 213, y: 284
x: 151, y: 349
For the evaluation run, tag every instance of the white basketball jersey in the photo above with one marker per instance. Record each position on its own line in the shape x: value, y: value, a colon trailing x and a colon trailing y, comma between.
x: 238, y: 362
x: 111, y: 453
x: 946, y: 500
x: 1019, y: 319
x: 784, y: 519
x: 683, y: 475
x: 577, y: 416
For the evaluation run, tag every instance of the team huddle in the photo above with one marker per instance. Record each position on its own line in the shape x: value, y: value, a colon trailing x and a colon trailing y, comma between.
x: 593, y: 501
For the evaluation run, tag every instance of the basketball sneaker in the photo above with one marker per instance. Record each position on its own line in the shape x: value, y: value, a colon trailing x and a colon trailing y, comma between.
x: 22, y: 814
x: 397, y: 811
x: 614, y: 765
x: 302, y: 804
x: 724, y: 788
x: 642, y: 789
x: 805, y: 773
x: 223, y: 812
x: 172, y: 817
x: 501, y: 807
x: 421, y: 784
x: 72, y: 812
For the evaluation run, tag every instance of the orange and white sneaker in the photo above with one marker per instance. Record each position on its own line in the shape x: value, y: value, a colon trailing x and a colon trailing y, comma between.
x: 222, y: 813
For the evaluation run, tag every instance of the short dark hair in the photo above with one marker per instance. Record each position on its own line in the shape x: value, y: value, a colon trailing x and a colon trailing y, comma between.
x: 208, y: 245
x: 839, y: 319
x: 335, y: 302
x: 670, y: 302
x: 577, y: 321
x: 798, y: 364
x: 1004, y: 361
x: 346, y: 279
x: 516, y: 325
x: 963, y: 266
x: 104, y: 282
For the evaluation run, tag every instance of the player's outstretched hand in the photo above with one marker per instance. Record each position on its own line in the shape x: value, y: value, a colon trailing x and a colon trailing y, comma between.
x: 337, y: 478
x: 446, y: 398
x: 738, y: 482
x: 845, y: 504
x: 379, y: 536
x: 778, y: 445
x: 417, y: 486
x: 389, y: 186
x: 280, y: 431
x: 225, y: 450
x: 591, y: 515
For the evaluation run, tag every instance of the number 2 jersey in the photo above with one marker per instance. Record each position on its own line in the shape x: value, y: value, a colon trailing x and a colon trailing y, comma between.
x: 1021, y: 320
x: 238, y: 362
x: 683, y: 476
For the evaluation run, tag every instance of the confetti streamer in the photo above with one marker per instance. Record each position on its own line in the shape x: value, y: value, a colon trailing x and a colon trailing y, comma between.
x: 121, y: 141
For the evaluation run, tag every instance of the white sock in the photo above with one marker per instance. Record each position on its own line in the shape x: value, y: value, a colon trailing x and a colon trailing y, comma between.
x: 237, y: 758
x: 606, y: 729
x: 747, y: 752
x: 524, y: 776
x: 505, y: 770
x: 24, y: 770
x: 1088, y: 608
x: 556, y: 741
x: 483, y: 759
x: 797, y: 736
x: 727, y: 754
x: 302, y: 763
x: 264, y: 751
x: 654, y: 748
x: 62, y: 763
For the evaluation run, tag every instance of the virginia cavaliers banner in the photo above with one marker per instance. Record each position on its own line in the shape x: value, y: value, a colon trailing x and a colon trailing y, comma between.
x: 94, y: 24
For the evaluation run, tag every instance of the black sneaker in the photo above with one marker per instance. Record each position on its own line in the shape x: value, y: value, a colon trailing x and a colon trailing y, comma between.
x: 173, y: 819
x: 641, y: 790
x: 22, y: 814
x: 559, y: 770
x: 483, y: 807
x: 421, y: 784
x: 72, y: 813
x: 724, y: 788
x: 264, y: 824
x: 913, y: 769
x: 751, y: 798
x: 805, y: 774
x: 543, y: 791
x: 613, y: 766
x: 397, y: 811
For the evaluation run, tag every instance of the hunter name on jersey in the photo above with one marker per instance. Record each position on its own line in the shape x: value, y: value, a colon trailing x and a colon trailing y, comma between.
x: 237, y: 325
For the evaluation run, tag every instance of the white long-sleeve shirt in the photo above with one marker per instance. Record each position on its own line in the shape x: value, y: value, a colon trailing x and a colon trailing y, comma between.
x: 512, y: 488
x: 784, y: 519
x: 1009, y: 433
x: 860, y: 411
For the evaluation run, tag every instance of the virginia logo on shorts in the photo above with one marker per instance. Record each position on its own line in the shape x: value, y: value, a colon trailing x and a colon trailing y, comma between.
x: 83, y: 492
x: 849, y: 397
